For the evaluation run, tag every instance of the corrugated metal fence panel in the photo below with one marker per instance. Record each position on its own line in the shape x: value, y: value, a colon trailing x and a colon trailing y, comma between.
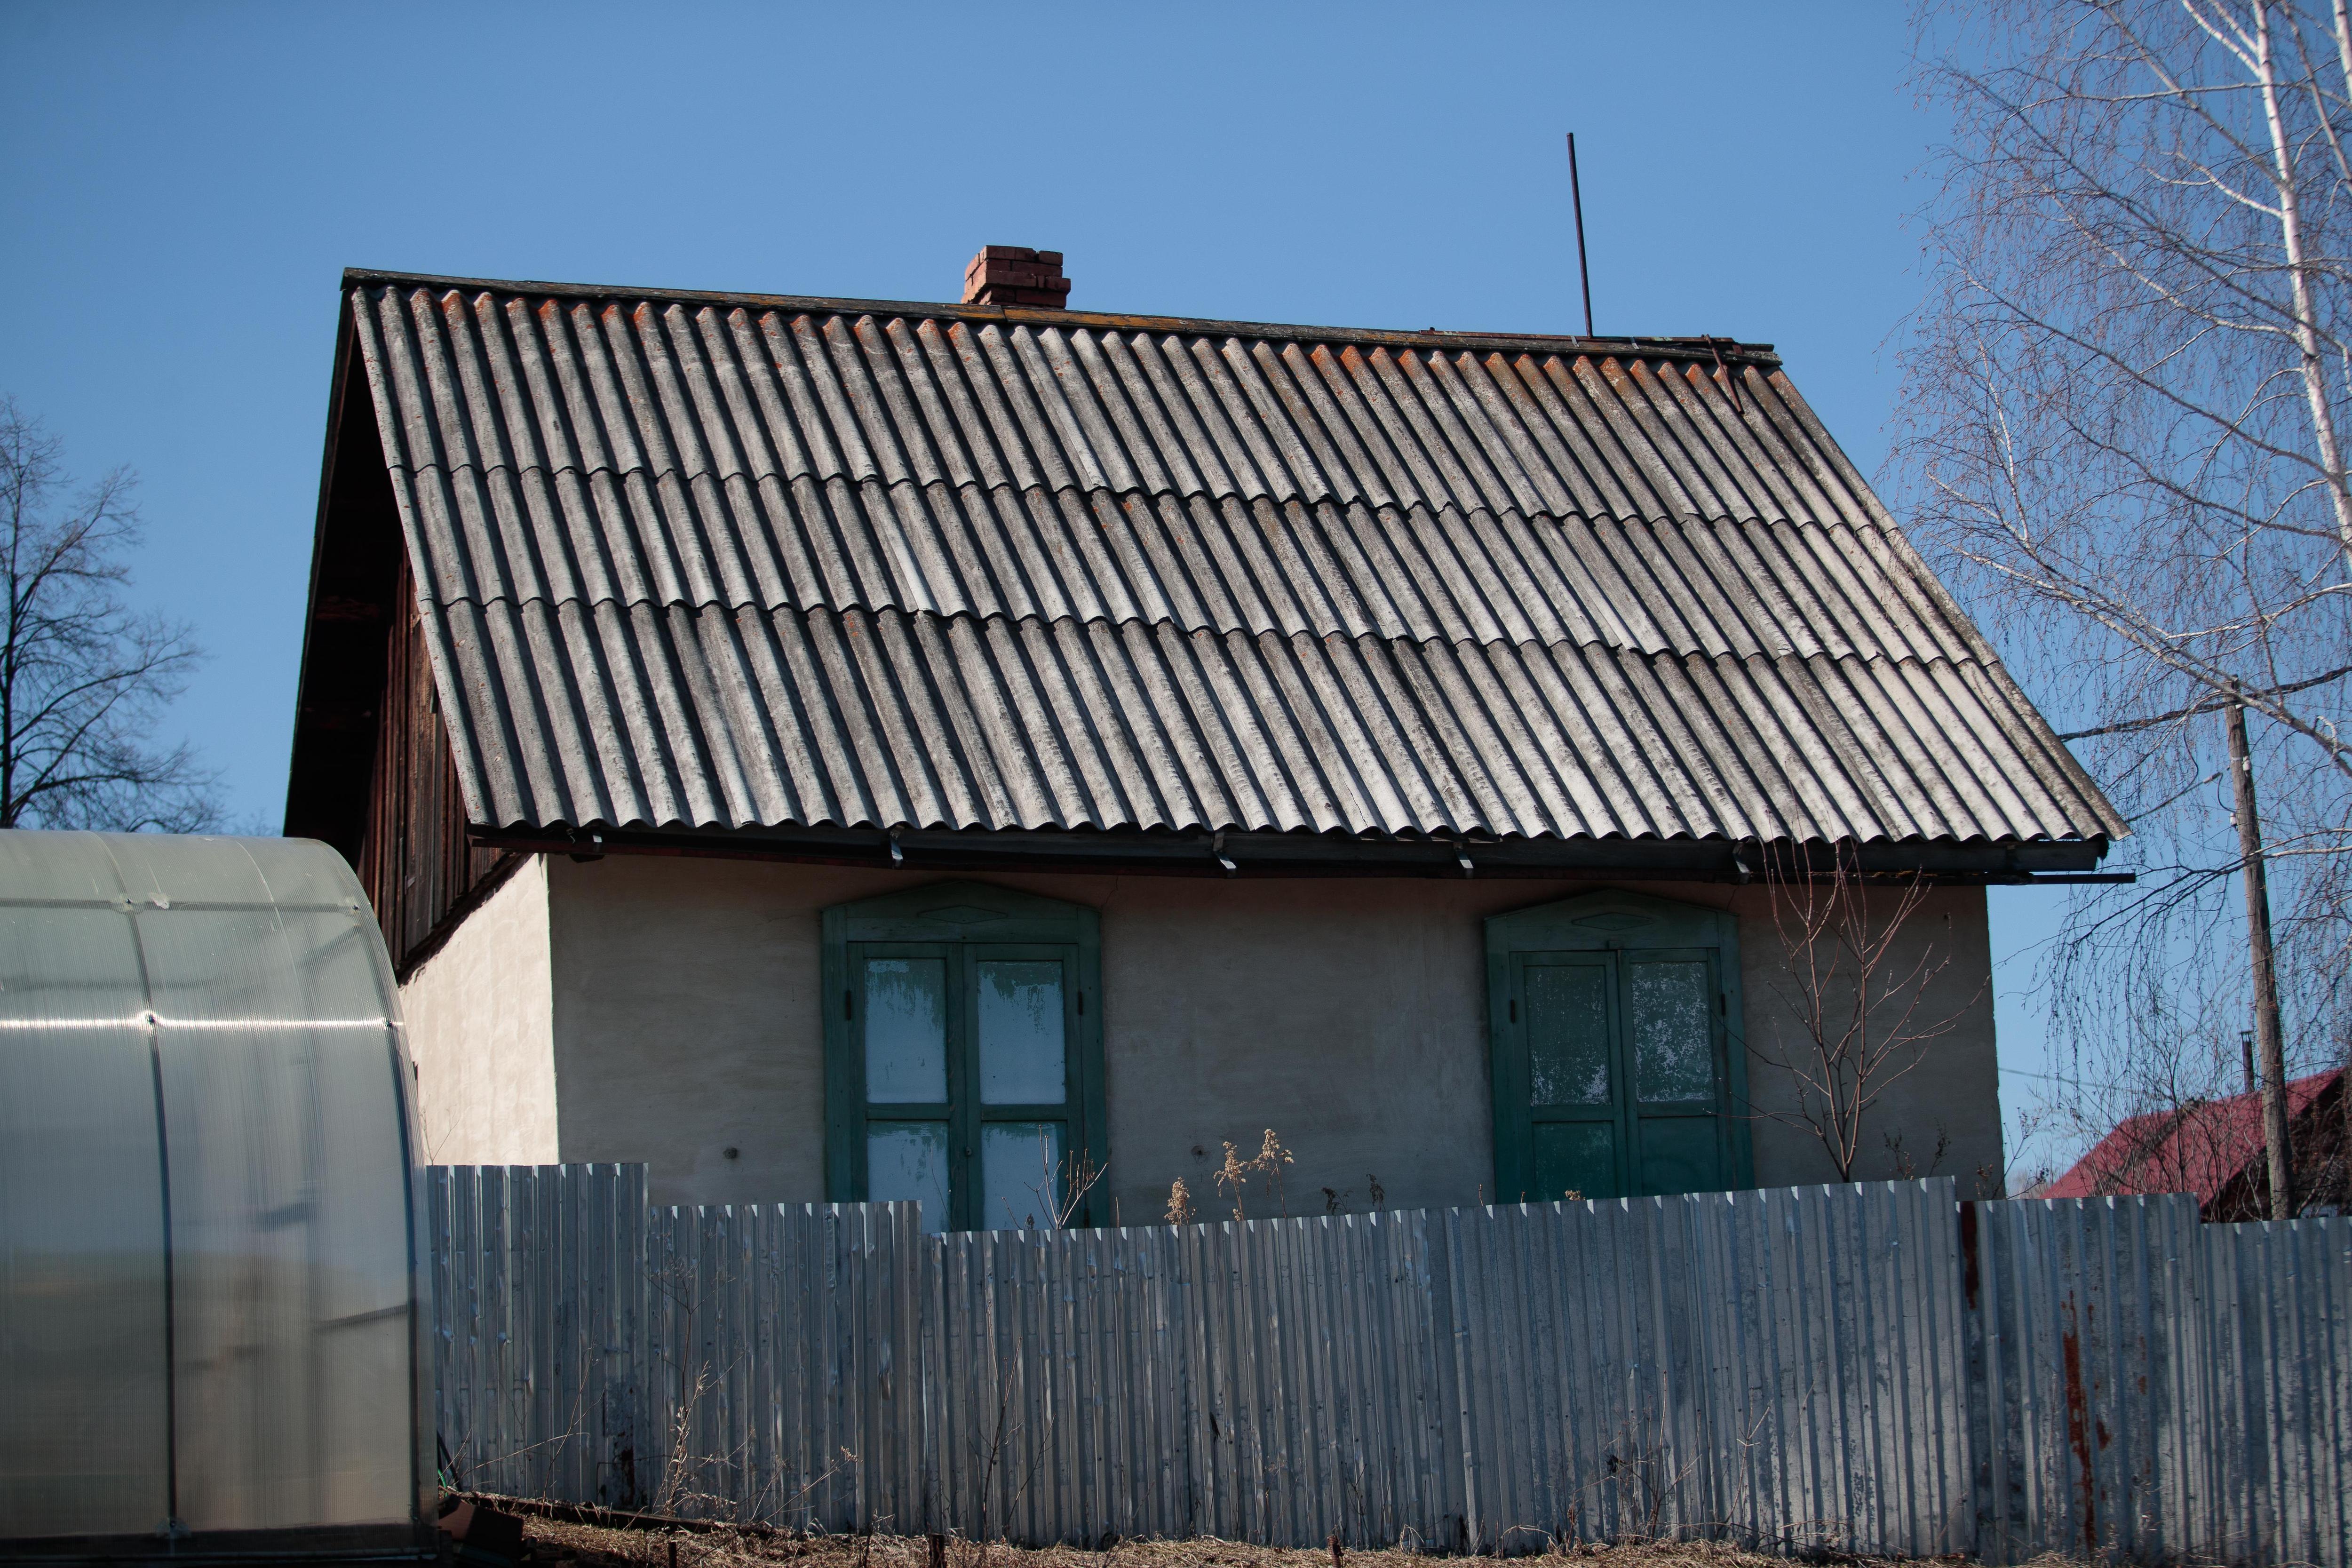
x: 539, y: 1326
x: 2277, y: 1375
x: 1784, y: 1366
x: 2151, y: 1386
x: 2079, y: 1299
x: 1278, y: 1380
x: 786, y: 1365
x: 1869, y: 1367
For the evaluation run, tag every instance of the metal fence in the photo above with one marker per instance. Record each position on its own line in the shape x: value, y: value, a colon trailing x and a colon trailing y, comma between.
x: 540, y: 1299
x: 785, y: 1342
x: 1872, y: 1367
x: 2143, y: 1386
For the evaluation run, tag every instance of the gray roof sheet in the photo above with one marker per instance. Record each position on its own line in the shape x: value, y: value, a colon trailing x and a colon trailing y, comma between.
x: 717, y: 561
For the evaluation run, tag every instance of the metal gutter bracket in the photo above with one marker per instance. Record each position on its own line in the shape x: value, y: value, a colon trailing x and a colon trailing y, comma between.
x: 1217, y: 848
x: 591, y: 846
x: 1462, y: 853
x: 898, y: 855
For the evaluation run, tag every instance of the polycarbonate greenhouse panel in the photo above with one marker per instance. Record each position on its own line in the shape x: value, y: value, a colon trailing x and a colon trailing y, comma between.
x: 209, y: 1321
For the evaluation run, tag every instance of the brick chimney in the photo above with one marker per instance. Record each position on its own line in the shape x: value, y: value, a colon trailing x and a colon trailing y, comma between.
x: 1015, y: 274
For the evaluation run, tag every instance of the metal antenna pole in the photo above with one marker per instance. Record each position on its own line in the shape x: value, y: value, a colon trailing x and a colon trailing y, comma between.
x: 1575, y: 196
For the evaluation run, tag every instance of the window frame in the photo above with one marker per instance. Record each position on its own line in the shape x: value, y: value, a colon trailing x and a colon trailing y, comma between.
x: 968, y: 920
x: 1618, y: 924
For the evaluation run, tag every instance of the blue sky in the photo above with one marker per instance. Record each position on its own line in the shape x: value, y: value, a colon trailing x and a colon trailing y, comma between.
x: 185, y: 183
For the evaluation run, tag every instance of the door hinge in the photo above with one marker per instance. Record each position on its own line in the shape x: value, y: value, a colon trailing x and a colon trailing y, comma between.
x: 849, y: 1004
x: 1515, y: 1009
x: 1082, y: 1004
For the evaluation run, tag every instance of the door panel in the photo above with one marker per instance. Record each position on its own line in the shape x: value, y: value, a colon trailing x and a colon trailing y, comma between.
x: 1577, y: 1157
x: 1681, y: 1154
x: 1670, y: 1023
x: 1568, y: 1033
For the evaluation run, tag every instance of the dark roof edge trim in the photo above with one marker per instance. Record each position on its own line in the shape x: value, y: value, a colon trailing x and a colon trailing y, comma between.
x: 1296, y: 855
x: 346, y: 358
x: 1703, y: 350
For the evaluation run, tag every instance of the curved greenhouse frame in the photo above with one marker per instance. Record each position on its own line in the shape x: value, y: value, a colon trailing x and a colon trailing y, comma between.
x: 211, y: 1334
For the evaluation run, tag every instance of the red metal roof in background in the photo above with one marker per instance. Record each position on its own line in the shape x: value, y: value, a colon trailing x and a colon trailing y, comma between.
x: 2197, y: 1150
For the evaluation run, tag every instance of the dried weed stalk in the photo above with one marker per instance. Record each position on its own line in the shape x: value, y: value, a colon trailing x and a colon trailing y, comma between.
x: 1235, y: 1175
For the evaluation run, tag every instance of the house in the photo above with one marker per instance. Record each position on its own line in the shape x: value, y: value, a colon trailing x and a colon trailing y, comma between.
x: 836, y: 748
x: 2214, y: 1149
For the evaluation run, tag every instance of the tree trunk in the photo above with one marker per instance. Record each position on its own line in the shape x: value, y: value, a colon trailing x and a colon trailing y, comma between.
x: 2298, y: 272
x: 2267, y: 1043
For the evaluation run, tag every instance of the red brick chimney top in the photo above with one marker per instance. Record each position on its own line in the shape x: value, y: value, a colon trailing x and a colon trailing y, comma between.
x: 1015, y: 274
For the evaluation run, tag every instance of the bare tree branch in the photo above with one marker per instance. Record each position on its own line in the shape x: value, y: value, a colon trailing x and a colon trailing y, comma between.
x: 83, y: 679
x: 1854, y: 999
x: 2123, y: 440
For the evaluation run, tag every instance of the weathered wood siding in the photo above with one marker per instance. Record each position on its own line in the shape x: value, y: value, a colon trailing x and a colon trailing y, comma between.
x: 413, y: 857
x: 372, y: 774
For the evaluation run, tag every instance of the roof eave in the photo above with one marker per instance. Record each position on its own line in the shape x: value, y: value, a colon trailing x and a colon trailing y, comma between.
x: 1302, y: 855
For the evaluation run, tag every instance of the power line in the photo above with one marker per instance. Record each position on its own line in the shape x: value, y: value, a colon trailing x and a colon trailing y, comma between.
x: 2205, y: 705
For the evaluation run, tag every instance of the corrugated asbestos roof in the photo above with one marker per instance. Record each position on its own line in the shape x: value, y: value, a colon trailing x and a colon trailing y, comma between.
x: 723, y: 562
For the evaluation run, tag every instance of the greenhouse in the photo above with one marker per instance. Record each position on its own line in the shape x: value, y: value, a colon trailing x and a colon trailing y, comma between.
x: 210, y: 1332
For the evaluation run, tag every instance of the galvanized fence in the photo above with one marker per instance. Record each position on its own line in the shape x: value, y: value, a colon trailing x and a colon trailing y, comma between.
x: 538, y: 1326
x: 783, y: 1341
x: 1872, y: 1367
x: 2146, y: 1388
x: 1784, y: 1367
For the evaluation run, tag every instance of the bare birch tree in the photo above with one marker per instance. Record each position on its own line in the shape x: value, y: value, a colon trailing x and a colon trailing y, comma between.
x: 2127, y: 401
x: 83, y: 678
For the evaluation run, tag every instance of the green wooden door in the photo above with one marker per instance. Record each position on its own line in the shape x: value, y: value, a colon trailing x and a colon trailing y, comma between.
x: 1566, y: 1005
x: 1615, y: 1072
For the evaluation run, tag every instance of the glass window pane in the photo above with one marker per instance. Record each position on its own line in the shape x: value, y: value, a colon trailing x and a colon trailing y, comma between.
x: 1577, y: 1157
x: 1021, y: 1032
x: 1674, y: 1048
x: 905, y: 1012
x: 1019, y: 1173
x: 1568, y: 1033
x: 906, y: 1161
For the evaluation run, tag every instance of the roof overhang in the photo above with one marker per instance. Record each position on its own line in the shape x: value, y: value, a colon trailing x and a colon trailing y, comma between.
x: 1298, y: 855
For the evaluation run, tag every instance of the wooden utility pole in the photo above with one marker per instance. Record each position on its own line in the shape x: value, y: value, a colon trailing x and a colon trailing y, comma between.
x: 2267, y: 1043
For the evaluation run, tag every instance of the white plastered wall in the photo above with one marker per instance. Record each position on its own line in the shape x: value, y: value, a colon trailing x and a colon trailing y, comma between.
x: 1349, y: 1015
x: 480, y: 1031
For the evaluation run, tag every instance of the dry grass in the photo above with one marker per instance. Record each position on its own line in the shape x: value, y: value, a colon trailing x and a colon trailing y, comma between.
x: 591, y: 1546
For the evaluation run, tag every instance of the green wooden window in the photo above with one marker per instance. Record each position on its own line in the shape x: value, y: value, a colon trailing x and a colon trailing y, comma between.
x: 1618, y: 1070
x: 963, y: 1053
